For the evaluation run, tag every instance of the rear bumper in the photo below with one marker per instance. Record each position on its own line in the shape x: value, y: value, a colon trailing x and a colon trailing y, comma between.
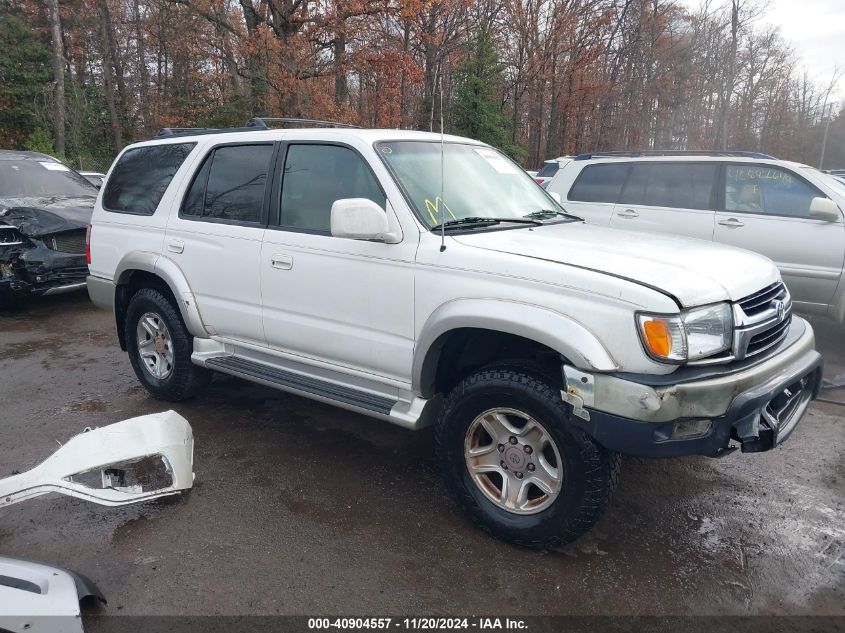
x: 101, y: 292
x: 758, y: 407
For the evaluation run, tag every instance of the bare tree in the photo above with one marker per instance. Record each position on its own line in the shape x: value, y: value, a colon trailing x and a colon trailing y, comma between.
x: 58, y: 74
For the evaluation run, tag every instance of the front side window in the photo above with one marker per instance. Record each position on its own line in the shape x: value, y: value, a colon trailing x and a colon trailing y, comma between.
x: 461, y: 181
x: 230, y: 184
x: 672, y: 185
x: 599, y: 183
x: 318, y: 175
x: 141, y: 176
x: 767, y: 190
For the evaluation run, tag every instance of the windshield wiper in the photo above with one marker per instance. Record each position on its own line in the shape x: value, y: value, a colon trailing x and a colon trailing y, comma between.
x: 462, y: 223
x: 546, y: 214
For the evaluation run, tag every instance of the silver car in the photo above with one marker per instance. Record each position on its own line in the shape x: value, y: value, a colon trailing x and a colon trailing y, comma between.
x: 790, y: 212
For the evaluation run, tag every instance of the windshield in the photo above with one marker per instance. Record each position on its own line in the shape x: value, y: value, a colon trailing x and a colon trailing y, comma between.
x: 479, y: 182
x: 33, y: 178
x: 835, y: 182
x: 549, y: 170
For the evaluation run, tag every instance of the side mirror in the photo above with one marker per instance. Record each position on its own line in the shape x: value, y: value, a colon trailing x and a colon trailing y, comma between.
x: 359, y: 219
x: 824, y: 209
x: 556, y: 197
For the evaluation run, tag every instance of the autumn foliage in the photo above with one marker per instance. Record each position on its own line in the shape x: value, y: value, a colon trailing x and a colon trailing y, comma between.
x: 565, y: 76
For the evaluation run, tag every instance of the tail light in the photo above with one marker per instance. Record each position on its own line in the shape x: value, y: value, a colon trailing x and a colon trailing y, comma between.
x: 539, y: 181
x: 88, y: 245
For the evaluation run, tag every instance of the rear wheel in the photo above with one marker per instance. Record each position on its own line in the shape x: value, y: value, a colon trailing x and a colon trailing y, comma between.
x: 516, y: 463
x: 160, y: 347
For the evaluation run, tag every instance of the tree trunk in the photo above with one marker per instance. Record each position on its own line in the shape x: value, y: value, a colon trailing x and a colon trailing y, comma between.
x: 108, y: 78
x: 143, y: 71
x: 58, y: 74
x: 341, y: 87
x: 730, y: 80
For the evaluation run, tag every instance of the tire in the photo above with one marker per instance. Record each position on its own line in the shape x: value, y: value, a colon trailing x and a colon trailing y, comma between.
x: 173, y: 377
x: 586, y: 472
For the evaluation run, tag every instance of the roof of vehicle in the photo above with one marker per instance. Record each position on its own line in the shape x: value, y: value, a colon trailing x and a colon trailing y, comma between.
x: 13, y: 154
x: 317, y: 133
x: 750, y: 157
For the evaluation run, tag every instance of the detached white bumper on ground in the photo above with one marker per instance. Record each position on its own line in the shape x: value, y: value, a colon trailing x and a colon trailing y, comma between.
x: 126, y: 462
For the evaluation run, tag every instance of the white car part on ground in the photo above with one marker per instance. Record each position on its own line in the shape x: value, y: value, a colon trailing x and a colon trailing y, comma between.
x: 38, y: 598
x: 126, y: 462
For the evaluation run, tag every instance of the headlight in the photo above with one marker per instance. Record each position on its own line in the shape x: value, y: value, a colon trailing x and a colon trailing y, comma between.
x: 690, y: 335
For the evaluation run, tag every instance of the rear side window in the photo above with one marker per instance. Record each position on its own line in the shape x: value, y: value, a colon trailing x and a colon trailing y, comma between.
x: 317, y: 175
x: 599, y: 183
x: 230, y: 184
x: 549, y: 170
x: 674, y: 185
x: 141, y: 176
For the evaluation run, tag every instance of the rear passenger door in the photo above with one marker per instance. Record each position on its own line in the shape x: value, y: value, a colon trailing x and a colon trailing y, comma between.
x: 216, y: 238
x: 668, y: 197
x: 595, y: 191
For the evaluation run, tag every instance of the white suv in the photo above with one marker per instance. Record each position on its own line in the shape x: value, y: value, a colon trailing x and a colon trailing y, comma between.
x: 787, y: 211
x: 427, y: 280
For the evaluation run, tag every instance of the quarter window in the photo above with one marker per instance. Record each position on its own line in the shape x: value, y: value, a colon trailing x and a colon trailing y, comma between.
x: 673, y: 185
x: 142, y: 175
x: 769, y: 190
x: 230, y: 184
x: 318, y: 175
x: 599, y: 183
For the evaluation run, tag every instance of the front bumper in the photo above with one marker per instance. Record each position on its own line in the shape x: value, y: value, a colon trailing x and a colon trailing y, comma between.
x: 37, y: 270
x: 701, y: 412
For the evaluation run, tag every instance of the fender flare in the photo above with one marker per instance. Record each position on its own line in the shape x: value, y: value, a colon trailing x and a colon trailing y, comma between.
x: 172, y: 275
x: 557, y: 331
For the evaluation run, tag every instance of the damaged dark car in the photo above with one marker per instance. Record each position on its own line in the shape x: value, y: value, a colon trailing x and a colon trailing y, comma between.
x: 45, y: 208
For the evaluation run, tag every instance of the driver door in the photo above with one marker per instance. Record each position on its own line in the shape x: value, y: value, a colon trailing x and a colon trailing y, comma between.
x: 349, y: 303
x: 766, y: 209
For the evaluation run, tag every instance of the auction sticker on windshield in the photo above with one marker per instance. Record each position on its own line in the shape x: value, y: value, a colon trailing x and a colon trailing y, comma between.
x: 496, y: 161
x: 53, y: 166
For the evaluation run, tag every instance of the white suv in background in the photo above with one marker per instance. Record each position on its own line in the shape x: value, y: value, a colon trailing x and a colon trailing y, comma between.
x: 549, y: 169
x: 789, y: 212
x: 421, y: 279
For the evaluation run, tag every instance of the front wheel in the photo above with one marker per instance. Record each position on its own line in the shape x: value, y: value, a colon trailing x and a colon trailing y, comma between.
x: 515, y: 462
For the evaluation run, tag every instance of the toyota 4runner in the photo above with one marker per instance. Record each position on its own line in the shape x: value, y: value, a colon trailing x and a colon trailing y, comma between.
x: 422, y: 280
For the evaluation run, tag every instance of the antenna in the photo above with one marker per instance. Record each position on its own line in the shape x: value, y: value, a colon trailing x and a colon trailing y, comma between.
x: 442, y: 173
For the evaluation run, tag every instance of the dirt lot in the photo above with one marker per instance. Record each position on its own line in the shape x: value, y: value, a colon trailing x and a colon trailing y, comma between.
x: 301, y: 508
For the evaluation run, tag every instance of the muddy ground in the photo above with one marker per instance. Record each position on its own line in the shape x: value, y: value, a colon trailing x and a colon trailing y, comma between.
x: 301, y: 508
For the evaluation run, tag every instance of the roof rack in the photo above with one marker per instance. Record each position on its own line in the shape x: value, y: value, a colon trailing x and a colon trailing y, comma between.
x: 670, y: 152
x: 255, y: 124
x: 264, y: 122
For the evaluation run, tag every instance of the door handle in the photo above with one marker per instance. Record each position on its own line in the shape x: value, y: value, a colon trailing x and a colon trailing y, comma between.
x: 281, y: 261
x: 731, y: 222
x: 628, y: 213
x: 176, y: 246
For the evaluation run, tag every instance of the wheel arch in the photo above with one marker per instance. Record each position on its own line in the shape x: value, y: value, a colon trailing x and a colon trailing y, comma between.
x: 140, y: 269
x: 538, y: 326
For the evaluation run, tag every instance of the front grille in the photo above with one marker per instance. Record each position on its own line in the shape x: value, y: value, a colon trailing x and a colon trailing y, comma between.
x: 768, y: 338
x: 760, y: 301
x: 72, y: 242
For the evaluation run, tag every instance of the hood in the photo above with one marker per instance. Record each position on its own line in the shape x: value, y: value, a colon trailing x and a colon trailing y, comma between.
x: 694, y: 272
x: 37, y: 217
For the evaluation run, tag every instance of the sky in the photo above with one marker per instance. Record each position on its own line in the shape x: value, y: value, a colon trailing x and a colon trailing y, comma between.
x: 816, y: 31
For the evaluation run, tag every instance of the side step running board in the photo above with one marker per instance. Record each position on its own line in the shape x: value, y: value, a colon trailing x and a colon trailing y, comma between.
x: 272, y: 376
